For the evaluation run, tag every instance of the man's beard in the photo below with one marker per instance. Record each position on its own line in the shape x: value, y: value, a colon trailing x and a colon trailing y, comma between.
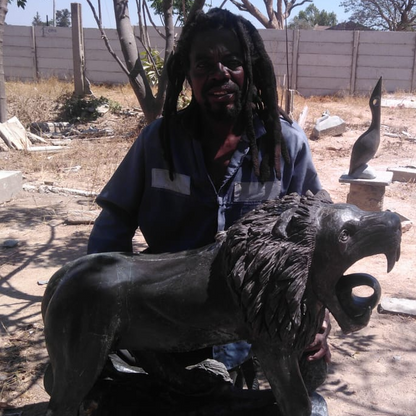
x: 226, y: 112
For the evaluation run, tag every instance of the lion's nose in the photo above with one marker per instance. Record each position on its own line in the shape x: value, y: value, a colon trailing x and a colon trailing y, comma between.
x: 393, y: 220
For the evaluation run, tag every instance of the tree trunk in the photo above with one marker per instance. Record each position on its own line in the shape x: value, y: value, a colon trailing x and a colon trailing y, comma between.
x: 150, y: 104
x: 3, y: 102
x: 137, y: 77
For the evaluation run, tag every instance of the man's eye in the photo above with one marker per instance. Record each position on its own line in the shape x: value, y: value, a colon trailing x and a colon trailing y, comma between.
x: 233, y: 63
x: 201, y: 65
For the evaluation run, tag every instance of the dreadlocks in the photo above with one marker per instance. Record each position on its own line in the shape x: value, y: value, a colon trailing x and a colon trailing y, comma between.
x: 260, y: 95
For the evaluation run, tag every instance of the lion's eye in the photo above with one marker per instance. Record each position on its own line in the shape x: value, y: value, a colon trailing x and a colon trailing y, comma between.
x: 343, y: 236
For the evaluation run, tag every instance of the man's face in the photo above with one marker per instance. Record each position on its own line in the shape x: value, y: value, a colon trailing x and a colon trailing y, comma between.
x: 216, y: 73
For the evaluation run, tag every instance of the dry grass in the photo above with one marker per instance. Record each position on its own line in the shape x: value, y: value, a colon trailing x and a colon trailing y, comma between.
x: 40, y: 101
x: 87, y: 161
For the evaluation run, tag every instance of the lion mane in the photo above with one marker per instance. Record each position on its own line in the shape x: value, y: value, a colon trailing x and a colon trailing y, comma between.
x: 268, y: 255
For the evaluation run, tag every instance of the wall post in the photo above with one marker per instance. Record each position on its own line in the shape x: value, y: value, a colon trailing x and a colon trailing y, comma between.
x: 78, y: 49
x: 355, y: 46
x: 413, y: 81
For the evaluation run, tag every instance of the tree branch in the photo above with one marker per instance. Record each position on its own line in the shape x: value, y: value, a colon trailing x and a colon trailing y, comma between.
x: 106, y: 41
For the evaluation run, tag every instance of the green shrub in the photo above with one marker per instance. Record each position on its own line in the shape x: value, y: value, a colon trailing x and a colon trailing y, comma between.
x: 83, y: 109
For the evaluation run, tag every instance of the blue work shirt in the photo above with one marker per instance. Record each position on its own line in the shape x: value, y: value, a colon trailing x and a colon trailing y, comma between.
x: 188, y: 211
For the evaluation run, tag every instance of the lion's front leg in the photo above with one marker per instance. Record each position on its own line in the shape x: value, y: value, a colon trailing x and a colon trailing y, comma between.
x: 283, y: 374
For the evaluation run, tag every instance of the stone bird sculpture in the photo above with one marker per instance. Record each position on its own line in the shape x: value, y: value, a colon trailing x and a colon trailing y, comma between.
x: 367, y: 144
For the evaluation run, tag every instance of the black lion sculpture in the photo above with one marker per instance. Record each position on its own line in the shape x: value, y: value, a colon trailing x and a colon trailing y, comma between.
x: 267, y: 280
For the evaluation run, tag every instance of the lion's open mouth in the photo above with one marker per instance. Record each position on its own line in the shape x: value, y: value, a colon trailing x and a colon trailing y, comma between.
x: 356, y: 306
x: 359, y: 308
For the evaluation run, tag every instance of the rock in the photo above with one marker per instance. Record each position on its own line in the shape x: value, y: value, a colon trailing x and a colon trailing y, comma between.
x: 11, y: 243
x: 328, y: 125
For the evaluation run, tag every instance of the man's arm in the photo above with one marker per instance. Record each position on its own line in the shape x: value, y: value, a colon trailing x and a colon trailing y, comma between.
x: 112, y: 231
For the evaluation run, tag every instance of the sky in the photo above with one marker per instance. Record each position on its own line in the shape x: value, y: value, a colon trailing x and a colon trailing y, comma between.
x: 17, y: 16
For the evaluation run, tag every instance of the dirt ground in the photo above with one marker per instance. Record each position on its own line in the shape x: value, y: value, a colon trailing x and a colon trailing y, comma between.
x: 373, y: 372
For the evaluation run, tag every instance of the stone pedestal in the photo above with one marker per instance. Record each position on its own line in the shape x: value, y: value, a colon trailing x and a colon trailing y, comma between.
x: 368, y: 194
x: 10, y: 184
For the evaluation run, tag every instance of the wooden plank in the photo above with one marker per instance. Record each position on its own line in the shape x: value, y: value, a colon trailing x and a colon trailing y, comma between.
x: 16, y: 61
x: 18, y: 42
x: 14, y: 31
x: 386, y: 73
x: 333, y: 36
x: 325, y: 60
x: 12, y: 51
x: 385, y: 50
x: 402, y: 38
x: 366, y: 85
x: 55, y: 63
x: 279, y: 57
x: 92, y: 34
x: 110, y: 66
x: 325, y: 48
x: 277, y: 47
x: 53, y: 32
x: 99, y: 45
x: 107, y: 77
x: 324, y: 72
x: 46, y: 73
x: 396, y: 305
x: 309, y: 92
x: 276, y: 35
x: 101, y: 58
x: 59, y: 43
x: 386, y: 61
x: 54, y: 53
x: 323, y: 83
x: 23, y: 74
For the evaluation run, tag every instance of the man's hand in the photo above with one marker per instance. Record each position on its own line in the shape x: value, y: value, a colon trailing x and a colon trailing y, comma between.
x: 320, y: 343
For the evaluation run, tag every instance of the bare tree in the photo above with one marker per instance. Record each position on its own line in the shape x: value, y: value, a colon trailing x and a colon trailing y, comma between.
x: 275, y: 14
x: 393, y: 15
x: 151, y: 103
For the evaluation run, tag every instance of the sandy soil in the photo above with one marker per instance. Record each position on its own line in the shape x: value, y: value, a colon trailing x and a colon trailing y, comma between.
x: 373, y: 372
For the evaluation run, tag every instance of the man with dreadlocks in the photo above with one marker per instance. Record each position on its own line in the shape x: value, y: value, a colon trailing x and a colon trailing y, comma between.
x: 193, y: 173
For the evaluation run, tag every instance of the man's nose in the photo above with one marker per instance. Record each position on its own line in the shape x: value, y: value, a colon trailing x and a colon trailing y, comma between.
x: 220, y: 71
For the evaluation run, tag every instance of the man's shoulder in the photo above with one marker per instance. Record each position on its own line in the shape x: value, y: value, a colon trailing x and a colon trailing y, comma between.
x: 176, y: 123
x: 292, y: 131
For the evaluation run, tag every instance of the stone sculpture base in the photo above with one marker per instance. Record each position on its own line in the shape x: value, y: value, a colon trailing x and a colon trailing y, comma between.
x: 368, y: 194
x: 135, y: 393
x: 144, y: 397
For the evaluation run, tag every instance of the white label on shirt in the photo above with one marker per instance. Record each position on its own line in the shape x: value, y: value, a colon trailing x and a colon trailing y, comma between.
x: 180, y: 184
x: 256, y: 191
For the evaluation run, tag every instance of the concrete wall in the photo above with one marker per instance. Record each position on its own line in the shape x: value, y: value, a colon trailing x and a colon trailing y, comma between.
x: 319, y: 62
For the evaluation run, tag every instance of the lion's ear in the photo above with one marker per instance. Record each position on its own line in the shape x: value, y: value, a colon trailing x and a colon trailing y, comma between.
x: 282, y: 224
x: 323, y: 196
